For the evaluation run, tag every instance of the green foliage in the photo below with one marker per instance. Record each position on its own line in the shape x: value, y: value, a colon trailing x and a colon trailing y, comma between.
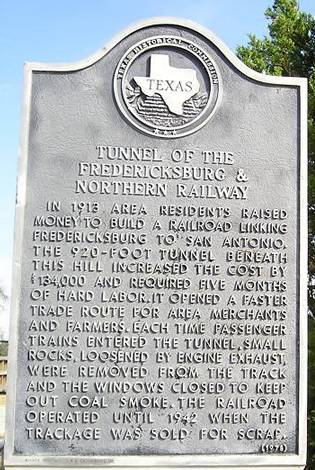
x: 3, y: 348
x: 289, y: 50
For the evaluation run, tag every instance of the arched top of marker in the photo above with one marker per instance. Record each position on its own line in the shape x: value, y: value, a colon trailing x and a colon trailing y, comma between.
x: 167, y: 21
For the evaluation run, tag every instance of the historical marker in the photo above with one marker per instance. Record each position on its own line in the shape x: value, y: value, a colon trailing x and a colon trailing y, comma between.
x: 159, y: 293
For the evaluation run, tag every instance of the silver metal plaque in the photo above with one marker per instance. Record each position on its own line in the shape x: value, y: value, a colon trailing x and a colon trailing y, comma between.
x: 159, y: 291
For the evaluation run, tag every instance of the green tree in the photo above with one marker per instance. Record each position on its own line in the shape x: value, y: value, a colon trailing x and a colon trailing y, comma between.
x: 289, y: 50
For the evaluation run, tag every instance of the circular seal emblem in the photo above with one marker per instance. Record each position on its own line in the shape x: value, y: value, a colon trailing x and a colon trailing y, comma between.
x: 167, y: 86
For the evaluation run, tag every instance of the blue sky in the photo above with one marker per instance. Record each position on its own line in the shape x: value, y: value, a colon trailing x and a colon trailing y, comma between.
x: 70, y: 30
